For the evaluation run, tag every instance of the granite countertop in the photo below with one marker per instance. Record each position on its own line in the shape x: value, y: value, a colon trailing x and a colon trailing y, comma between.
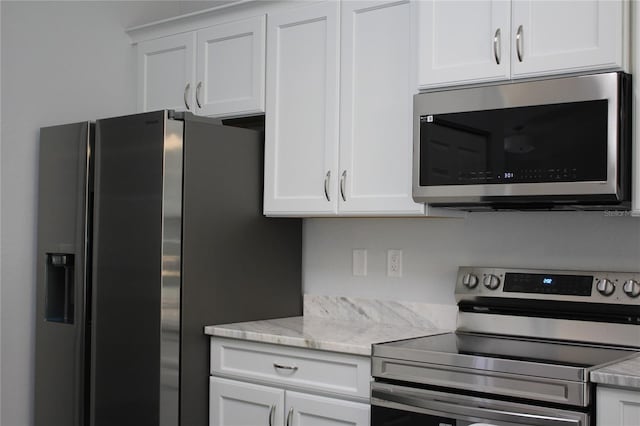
x: 353, y: 337
x: 623, y: 374
x: 343, y: 324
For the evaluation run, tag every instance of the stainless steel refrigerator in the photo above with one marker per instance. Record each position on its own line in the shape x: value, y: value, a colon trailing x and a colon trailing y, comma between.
x: 150, y: 227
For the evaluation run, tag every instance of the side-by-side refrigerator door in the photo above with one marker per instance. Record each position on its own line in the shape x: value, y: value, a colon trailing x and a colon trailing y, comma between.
x: 62, y: 255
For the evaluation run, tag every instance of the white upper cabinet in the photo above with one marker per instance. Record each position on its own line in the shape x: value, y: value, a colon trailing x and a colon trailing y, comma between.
x: 566, y: 36
x: 301, y: 123
x: 166, y: 71
x: 378, y: 79
x: 217, y: 71
x: 462, y: 42
x: 339, y: 129
x: 230, y: 71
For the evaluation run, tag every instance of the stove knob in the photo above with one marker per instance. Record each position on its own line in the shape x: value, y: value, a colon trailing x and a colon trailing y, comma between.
x: 606, y: 287
x: 491, y: 282
x: 632, y: 288
x: 470, y: 280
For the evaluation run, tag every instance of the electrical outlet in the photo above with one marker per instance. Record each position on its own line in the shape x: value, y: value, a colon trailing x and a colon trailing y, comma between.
x: 394, y: 263
x: 359, y: 262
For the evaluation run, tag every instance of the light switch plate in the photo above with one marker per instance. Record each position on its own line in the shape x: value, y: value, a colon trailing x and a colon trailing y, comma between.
x: 359, y: 262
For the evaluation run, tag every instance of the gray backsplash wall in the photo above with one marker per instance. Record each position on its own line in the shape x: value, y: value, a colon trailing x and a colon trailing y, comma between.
x: 434, y: 248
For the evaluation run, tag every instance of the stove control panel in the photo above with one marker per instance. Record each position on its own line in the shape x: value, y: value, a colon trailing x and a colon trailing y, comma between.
x: 580, y: 286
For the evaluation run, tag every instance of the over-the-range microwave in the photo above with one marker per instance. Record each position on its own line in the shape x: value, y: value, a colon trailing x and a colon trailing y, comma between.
x: 561, y: 143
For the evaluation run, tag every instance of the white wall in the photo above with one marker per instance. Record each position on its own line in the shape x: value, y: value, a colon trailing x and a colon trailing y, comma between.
x: 61, y: 62
x: 434, y: 248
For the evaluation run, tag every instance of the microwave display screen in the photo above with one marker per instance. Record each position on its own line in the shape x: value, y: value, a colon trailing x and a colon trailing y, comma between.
x: 534, y: 144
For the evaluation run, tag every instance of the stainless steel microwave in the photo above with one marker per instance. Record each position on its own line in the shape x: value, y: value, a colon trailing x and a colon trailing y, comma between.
x: 562, y: 143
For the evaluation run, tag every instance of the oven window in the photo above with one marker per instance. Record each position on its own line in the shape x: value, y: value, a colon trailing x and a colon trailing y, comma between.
x: 382, y: 416
x: 546, y: 143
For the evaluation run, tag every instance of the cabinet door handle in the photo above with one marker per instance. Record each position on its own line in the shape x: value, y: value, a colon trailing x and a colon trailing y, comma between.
x: 519, y: 37
x: 343, y: 182
x: 186, y: 96
x: 497, y: 46
x: 198, y: 87
x: 290, y: 416
x: 291, y: 369
x: 327, y: 178
x: 271, y: 413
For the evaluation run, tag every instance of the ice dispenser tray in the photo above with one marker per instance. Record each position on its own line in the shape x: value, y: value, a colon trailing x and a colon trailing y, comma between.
x: 60, y: 291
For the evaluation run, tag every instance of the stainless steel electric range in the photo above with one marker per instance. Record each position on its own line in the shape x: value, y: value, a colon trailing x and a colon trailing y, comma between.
x: 525, y: 344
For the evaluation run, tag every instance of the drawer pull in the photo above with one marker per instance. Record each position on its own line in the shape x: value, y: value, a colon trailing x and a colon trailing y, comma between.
x: 290, y: 369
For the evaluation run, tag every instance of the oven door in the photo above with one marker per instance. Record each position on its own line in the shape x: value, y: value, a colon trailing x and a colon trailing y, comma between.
x: 405, y: 406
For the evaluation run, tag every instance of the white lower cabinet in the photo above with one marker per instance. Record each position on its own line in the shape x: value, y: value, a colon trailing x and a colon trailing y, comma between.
x: 236, y: 403
x: 256, y: 384
x: 617, y: 407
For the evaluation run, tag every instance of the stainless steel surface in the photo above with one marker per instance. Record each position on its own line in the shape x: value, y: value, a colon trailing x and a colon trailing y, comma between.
x: 198, y: 87
x: 290, y: 416
x: 550, y: 328
x: 291, y: 368
x: 158, y: 263
x: 326, y: 185
x: 551, y: 91
x: 343, y: 182
x: 171, y: 273
x: 185, y: 96
x: 229, y: 250
x: 464, y: 293
x: 63, y: 195
x: 497, y: 46
x: 470, y: 410
x: 127, y: 270
x: 519, y: 43
x: 272, y: 411
x: 518, y: 383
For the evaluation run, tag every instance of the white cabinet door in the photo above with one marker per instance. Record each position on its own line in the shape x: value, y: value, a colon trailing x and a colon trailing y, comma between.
x: 233, y: 403
x: 166, y: 71
x: 230, y: 68
x: 550, y: 37
x: 462, y: 42
x: 378, y: 81
x: 617, y: 407
x: 301, y: 123
x: 304, y: 409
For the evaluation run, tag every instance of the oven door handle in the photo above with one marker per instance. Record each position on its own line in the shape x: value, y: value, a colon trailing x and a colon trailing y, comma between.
x: 423, y: 401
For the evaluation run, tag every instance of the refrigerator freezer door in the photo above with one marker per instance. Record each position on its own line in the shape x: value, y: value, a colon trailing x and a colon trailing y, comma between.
x: 63, y: 206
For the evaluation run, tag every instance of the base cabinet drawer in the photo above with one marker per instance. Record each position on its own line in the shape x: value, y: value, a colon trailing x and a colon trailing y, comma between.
x: 322, y: 371
x: 237, y: 403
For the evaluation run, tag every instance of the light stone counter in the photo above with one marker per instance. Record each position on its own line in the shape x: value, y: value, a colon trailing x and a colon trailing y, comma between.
x: 623, y: 374
x: 345, y: 325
